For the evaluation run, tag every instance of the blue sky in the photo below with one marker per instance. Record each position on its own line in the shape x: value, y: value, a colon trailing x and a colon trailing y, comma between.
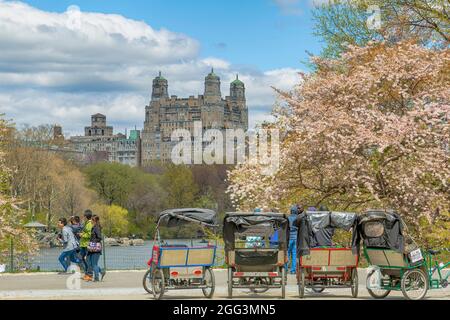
x: 258, y: 33
x: 61, y: 61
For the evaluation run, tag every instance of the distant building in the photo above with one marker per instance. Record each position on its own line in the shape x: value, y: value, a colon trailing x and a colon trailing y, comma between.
x: 98, y: 126
x: 57, y: 133
x: 100, y: 144
x: 165, y: 114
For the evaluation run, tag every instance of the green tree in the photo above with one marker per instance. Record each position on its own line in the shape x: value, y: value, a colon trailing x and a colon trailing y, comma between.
x: 113, y: 182
x: 340, y: 23
x: 114, y: 220
x: 179, y: 184
x: 147, y: 199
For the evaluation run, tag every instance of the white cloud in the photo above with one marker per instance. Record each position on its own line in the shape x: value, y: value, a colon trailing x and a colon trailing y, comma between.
x: 293, y: 7
x: 289, y: 7
x: 62, y: 67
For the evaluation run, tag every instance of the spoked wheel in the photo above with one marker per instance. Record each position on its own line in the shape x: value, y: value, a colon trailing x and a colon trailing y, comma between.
x: 147, y: 281
x: 259, y: 290
x: 158, y: 283
x: 354, y: 284
x: 230, y: 283
x: 414, y: 284
x: 210, y: 283
x: 301, y: 283
x: 376, y: 293
x: 283, y: 283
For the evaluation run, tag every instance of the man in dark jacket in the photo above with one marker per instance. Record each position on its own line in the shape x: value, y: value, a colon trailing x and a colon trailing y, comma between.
x: 292, y: 247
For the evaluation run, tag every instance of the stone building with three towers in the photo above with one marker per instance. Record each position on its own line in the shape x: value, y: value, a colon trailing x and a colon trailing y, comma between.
x: 165, y: 113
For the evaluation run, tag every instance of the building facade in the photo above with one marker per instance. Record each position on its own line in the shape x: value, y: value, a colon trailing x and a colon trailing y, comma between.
x: 100, y: 144
x: 165, y: 113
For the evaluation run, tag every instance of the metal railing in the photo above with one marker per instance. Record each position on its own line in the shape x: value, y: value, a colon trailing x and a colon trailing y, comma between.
x: 113, y: 258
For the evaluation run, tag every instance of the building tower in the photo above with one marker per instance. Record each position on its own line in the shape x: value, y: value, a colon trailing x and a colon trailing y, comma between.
x: 160, y: 88
x: 237, y: 90
x: 212, y: 88
x: 57, y: 132
x: 98, y: 126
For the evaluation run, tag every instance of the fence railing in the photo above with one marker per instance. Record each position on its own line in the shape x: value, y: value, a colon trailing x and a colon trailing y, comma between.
x: 113, y: 258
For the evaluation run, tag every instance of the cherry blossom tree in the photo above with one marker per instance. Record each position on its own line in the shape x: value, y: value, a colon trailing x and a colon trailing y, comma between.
x: 11, y: 216
x: 369, y: 129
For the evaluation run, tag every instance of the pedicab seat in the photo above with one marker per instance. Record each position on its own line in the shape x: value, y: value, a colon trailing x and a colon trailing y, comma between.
x: 253, y: 257
x: 187, y: 256
x: 386, y: 257
x: 329, y: 257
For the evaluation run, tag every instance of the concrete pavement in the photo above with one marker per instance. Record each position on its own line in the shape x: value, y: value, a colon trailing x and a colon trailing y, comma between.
x: 127, y: 285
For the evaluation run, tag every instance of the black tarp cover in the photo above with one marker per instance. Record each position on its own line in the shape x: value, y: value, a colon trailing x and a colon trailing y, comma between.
x: 239, y: 222
x: 177, y: 217
x: 316, y: 229
x: 392, y: 237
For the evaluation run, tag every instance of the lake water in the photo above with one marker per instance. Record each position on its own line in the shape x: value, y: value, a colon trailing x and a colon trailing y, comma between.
x: 117, y: 258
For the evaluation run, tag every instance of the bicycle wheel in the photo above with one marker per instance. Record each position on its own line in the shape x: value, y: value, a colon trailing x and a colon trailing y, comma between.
x: 376, y: 293
x: 318, y: 290
x: 414, y: 284
x: 354, y: 284
x: 301, y: 283
x: 147, y: 281
x: 230, y: 283
x: 259, y: 290
x: 210, y: 283
x: 158, y: 283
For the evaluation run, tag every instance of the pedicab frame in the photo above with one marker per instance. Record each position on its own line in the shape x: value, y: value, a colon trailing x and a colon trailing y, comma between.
x: 321, y: 266
x: 256, y: 268
x: 178, y: 267
x: 382, y: 232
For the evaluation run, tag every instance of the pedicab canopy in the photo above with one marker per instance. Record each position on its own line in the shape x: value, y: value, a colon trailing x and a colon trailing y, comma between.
x: 275, y: 224
x: 177, y: 217
x: 381, y: 229
x: 316, y: 229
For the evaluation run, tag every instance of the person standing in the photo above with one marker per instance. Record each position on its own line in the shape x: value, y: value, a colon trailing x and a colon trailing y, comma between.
x: 292, y: 247
x: 85, y: 237
x: 76, y: 226
x: 95, y: 250
x: 70, y: 245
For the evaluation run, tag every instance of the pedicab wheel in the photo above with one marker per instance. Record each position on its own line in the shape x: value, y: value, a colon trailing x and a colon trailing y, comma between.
x: 376, y: 293
x: 283, y: 283
x: 210, y: 283
x: 318, y: 290
x: 414, y: 284
x: 259, y: 290
x: 230, y: 283
x: 158, y: 283
x: 354, y: 283
x: 147, y: 281
x: 301, y: 283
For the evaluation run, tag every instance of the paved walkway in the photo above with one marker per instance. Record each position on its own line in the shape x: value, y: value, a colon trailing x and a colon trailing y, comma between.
x: 127, y: 285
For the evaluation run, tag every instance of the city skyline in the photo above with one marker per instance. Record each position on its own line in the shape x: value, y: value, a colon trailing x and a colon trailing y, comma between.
x: 106, y: 56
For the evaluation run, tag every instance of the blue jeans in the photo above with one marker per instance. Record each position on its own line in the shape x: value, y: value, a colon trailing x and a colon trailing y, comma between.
x: 70, y: 255
x: 93, y: 264
x: 292, y: 255
x: 83, y: 254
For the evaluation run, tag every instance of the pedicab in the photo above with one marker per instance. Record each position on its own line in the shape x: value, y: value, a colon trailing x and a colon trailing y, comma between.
x: 320, y: 264
x: 179, y: 266
x: 396, y: 262
x: 256, y: 251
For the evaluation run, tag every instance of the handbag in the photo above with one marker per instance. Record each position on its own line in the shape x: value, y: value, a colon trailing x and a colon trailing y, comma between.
x: 94, y: 247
